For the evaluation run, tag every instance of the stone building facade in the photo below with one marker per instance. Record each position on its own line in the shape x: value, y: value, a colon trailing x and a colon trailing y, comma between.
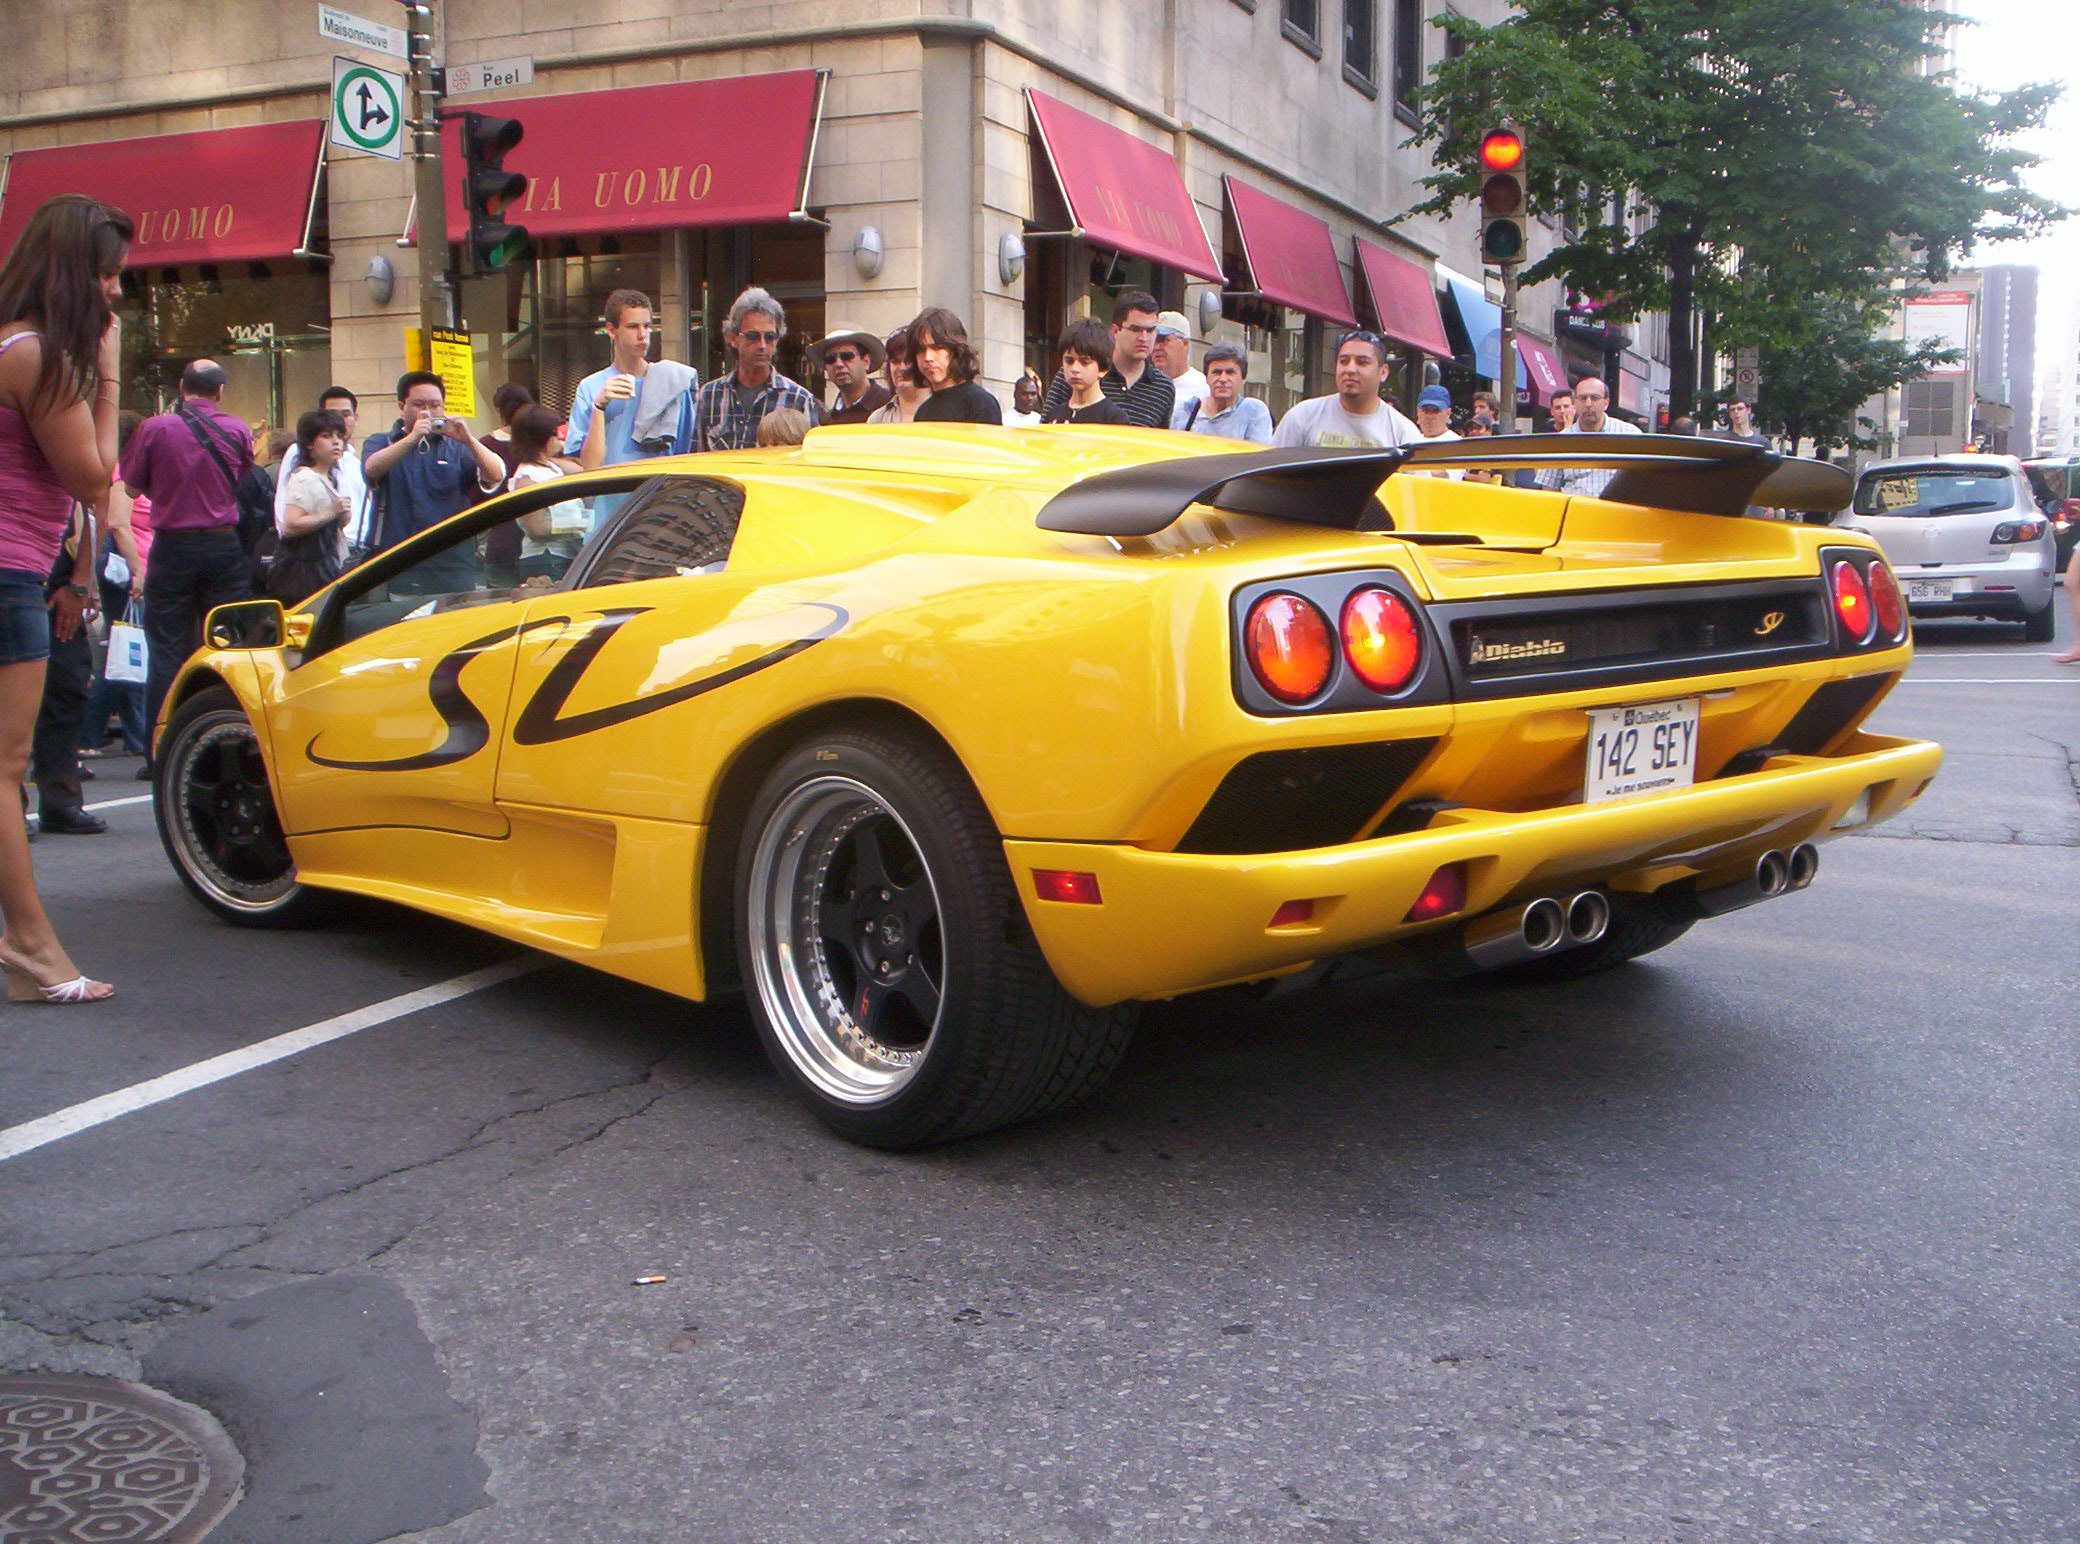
x: 924, y: 180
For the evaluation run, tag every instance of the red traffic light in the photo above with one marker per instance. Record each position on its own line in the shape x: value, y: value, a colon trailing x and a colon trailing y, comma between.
x: 1502, y: 150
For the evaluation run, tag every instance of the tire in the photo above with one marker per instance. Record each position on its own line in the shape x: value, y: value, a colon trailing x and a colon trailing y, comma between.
x: 217, y: 818
x: 1639, y: 925
x: 886, y: 955
x: 2041, y: 626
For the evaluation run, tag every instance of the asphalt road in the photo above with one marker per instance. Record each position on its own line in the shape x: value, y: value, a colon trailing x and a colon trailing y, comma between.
x: 1771, y: 1237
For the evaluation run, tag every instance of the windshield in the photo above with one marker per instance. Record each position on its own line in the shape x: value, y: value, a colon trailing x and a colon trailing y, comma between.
x: 1925, y: 491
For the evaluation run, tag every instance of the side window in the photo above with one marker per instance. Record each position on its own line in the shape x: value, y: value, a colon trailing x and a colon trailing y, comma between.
x: 673, y: 525
x: 522, y: 542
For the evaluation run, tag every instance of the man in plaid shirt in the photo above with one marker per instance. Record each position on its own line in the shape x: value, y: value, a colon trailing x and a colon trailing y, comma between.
x: 727, y: 411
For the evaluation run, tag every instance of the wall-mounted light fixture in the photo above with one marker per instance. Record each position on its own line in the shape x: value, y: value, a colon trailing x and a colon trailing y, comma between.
x: 382, y: 280
x: 1011, y: 257
x: 1209, y: 309
x: 867, y: 251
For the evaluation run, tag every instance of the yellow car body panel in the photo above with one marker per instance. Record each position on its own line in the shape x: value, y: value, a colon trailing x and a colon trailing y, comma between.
x: 546, y: 764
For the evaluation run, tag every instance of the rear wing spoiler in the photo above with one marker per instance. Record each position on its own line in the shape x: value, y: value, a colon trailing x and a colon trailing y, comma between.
x: 1340, y: 487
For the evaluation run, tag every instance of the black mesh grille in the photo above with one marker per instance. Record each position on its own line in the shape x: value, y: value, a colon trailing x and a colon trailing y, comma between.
x: 1285, y: 801
x: 1831, y: 709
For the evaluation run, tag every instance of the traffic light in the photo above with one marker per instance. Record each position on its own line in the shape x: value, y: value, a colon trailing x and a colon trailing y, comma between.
x: 488, y: 190
x: 1505, y: 224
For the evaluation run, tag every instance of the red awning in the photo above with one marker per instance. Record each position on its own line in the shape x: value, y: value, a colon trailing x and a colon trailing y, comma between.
x: 1404, y: 299
x: 1122, y: 192
x: 1290, y: 253
x: 216, y: 196
x: 642, y: 158
x: 1544, y: 374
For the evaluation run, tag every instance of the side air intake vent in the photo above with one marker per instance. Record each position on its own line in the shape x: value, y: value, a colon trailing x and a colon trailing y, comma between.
x: 1286, y: 801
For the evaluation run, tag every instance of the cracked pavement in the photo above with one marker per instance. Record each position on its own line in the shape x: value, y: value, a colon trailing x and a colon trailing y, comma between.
x: 1772, y: 1235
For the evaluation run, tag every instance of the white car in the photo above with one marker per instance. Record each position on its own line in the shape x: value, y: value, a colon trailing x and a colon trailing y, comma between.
x: 1966, y: 537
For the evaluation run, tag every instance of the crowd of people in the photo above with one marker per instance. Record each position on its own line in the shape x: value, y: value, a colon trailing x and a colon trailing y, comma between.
x: 155, y: 521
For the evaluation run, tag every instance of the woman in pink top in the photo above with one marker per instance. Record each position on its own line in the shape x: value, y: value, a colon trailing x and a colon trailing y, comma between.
x: 60, y: 348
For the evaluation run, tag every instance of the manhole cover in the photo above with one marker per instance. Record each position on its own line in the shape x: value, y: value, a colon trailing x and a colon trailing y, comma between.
x: 100, y: 1461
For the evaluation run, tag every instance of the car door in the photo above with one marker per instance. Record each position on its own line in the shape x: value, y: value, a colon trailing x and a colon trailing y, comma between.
x: 394, y: 713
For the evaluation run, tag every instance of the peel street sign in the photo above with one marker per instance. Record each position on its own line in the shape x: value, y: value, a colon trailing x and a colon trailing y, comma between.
x: 337, y: 26
x: 367, y: 108
x: 492, y: 75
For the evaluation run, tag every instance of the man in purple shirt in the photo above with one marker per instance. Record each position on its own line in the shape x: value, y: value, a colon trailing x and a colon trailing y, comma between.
x: 188, y: 463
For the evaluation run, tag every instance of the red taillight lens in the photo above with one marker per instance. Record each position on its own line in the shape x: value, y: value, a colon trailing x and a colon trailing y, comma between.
x: 1381, y: 639
x: 1852, y: 602
x: 1886, y: 601
x: 1287, y: 640
x: 1067, y: 885
x: 1444, y: 894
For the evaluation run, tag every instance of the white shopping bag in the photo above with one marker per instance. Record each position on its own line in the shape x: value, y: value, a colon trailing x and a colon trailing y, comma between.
x: 127, y: 657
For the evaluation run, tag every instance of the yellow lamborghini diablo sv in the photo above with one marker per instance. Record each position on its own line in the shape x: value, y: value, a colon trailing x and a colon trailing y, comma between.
x: 949, y: 745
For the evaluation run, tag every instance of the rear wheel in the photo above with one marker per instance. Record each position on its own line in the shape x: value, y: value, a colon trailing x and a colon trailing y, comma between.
x: 890, y: 969
x: 1639, y: 925
x: 217, y: 817
x: 2041, y: 626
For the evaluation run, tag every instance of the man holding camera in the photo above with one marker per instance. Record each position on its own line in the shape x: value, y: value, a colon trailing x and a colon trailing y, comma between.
x: 426, y: 466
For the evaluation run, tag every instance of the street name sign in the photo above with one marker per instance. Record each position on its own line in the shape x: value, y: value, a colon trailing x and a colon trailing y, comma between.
x: 367, y: 108
x: 491, y: 75
x: 337, y: 26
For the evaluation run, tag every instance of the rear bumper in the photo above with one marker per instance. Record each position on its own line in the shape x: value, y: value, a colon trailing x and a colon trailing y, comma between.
x: 1984, y: 589
x: 1170, y: 923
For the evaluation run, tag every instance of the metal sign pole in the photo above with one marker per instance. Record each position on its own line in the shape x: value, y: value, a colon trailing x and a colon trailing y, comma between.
x: 437, y: 298
x: 1506, y: 367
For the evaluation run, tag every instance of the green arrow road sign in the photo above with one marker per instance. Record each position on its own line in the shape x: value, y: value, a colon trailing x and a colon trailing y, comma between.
x: 367, y: 108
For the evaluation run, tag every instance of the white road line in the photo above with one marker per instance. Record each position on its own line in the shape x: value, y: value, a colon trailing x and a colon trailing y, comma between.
x: 116, y: 804
x: 16, y: 1140
x: 2070, y: 683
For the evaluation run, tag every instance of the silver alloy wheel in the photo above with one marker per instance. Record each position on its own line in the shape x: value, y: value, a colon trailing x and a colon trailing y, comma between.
x: 844, y: 933
x: 223, y: 822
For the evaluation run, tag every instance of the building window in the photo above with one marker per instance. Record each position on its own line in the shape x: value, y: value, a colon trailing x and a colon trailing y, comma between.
x: 1301, y: 21
x: 1408, y: 55
x: 1360, y: 42
x: 1931, y: 410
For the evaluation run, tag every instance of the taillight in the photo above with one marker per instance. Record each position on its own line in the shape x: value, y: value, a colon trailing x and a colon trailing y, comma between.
x: 1852, y: 601
x: 1444, y: 894
x: 1887, y: 603
x: 1381, y: 640
x: 2010, y: 531
x: 1290, y: 652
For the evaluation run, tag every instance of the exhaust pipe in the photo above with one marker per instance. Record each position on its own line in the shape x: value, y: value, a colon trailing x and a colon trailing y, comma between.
x: 1772, y: 874
x: 1507, y: 938
x: 1804, y: 865
x: 1770, y: 878
x: 1588, y: 917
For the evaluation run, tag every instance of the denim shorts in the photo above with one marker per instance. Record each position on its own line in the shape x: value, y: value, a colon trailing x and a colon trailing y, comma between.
x: 25, y: 617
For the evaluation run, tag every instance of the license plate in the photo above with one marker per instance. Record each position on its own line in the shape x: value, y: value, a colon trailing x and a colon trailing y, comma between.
x: 1647, y: 748
x: 1930, y: 589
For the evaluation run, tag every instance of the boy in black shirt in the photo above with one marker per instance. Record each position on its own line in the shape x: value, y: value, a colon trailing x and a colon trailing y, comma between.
x: 1086, y: 349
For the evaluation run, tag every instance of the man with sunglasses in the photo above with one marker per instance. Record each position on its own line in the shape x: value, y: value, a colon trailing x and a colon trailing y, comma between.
x: 1144, y: 392
x: 727, y: 412
x: 1356, y: 414
x: 851, y: 358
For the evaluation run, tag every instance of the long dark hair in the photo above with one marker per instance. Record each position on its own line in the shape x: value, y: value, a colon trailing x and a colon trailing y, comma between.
x: 532, y: 429
x: 945, y: 331
x: 52, y: 279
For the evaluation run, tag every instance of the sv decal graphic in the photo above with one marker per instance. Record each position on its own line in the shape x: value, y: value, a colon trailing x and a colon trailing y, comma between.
x: 540, y: 723
x: 468, y: 732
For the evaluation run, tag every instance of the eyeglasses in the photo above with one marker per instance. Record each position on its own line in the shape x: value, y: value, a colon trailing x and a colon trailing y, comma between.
x: 1361, y: 335
x: 758, y: 337
x: 1139, y: 331
x: 841, y: 356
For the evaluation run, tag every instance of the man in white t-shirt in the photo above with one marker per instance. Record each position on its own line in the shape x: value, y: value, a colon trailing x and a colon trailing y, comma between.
x: 353, y: 485
x: 1356, y: 415
x: 1173, y: 356
x: 1592, y: 415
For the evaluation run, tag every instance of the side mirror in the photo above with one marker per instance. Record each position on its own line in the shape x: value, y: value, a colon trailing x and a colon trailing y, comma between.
x: 245, y: 624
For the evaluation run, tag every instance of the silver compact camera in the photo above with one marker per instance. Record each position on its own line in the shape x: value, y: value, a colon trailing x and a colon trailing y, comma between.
x: 436, y: 423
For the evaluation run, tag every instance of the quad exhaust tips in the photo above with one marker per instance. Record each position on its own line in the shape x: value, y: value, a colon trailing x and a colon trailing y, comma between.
x: 1536, y: 929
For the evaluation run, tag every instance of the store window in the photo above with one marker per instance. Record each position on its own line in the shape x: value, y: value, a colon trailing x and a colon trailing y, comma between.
x: 267, y: 324
x: 539, y: 323
x: 1068, y: 279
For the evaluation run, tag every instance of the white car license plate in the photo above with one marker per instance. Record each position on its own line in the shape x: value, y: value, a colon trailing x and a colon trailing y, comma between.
x: 1647, y: 748
x: 1929, y: 589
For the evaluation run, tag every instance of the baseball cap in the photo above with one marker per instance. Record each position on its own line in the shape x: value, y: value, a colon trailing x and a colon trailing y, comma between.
x: 1435, y: 396
x: 1172, y: 323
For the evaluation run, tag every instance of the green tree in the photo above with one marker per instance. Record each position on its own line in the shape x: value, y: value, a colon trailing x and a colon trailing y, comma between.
x: 1692, y: 137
